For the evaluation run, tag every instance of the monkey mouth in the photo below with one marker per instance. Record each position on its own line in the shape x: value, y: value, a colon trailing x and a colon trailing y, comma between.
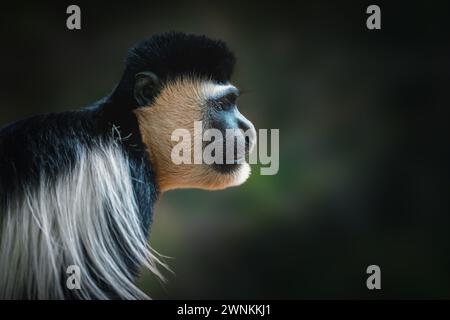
x: 237, y: 160
x: 233, y: 156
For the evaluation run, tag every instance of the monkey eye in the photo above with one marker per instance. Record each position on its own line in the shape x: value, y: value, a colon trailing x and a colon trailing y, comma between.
x: 221, y: 105
x: 226, y: 102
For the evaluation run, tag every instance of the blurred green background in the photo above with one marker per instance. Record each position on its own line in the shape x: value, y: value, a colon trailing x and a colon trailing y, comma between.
x: 363, y: 125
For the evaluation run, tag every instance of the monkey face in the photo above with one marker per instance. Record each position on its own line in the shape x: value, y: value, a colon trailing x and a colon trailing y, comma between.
x: 226, y: 128
x: 215, y: 134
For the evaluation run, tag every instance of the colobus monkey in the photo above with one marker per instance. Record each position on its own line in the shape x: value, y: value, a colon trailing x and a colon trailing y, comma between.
x: 77, y: 188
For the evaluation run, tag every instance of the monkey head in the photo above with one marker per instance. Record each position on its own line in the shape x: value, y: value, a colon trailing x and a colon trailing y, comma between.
x: 178, y: 81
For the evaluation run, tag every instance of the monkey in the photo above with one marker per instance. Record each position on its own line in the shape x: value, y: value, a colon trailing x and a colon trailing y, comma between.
x: 77, y: 188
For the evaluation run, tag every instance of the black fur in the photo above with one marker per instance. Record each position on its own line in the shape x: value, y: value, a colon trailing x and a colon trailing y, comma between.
x: 47, y: 145
x: 171, y: 55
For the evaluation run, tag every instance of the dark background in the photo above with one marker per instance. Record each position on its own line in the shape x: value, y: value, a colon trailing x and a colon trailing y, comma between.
x: 364, y: 154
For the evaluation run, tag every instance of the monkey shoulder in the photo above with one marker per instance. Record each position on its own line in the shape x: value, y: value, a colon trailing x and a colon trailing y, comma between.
x: 50, y: 146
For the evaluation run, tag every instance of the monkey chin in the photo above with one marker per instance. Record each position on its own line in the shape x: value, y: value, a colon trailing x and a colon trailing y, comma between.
x: 230, y: 175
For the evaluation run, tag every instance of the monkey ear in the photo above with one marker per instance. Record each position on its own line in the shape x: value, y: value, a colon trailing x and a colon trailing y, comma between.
x: 145, y: 87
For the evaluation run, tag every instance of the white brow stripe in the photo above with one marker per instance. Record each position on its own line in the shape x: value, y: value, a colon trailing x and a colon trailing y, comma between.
x: 214, y: 90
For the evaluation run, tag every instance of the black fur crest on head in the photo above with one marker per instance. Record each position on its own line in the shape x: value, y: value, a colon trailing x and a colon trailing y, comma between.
x: 175, y: 54
x: 169, y: 55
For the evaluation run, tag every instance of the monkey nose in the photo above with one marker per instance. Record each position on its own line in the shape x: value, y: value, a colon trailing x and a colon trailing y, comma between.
x: 249, y: 131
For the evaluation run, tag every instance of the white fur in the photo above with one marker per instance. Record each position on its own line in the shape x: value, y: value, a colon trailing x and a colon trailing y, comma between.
x: 45, y: 229
x: 213, y: 90
x: 241, y: 175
